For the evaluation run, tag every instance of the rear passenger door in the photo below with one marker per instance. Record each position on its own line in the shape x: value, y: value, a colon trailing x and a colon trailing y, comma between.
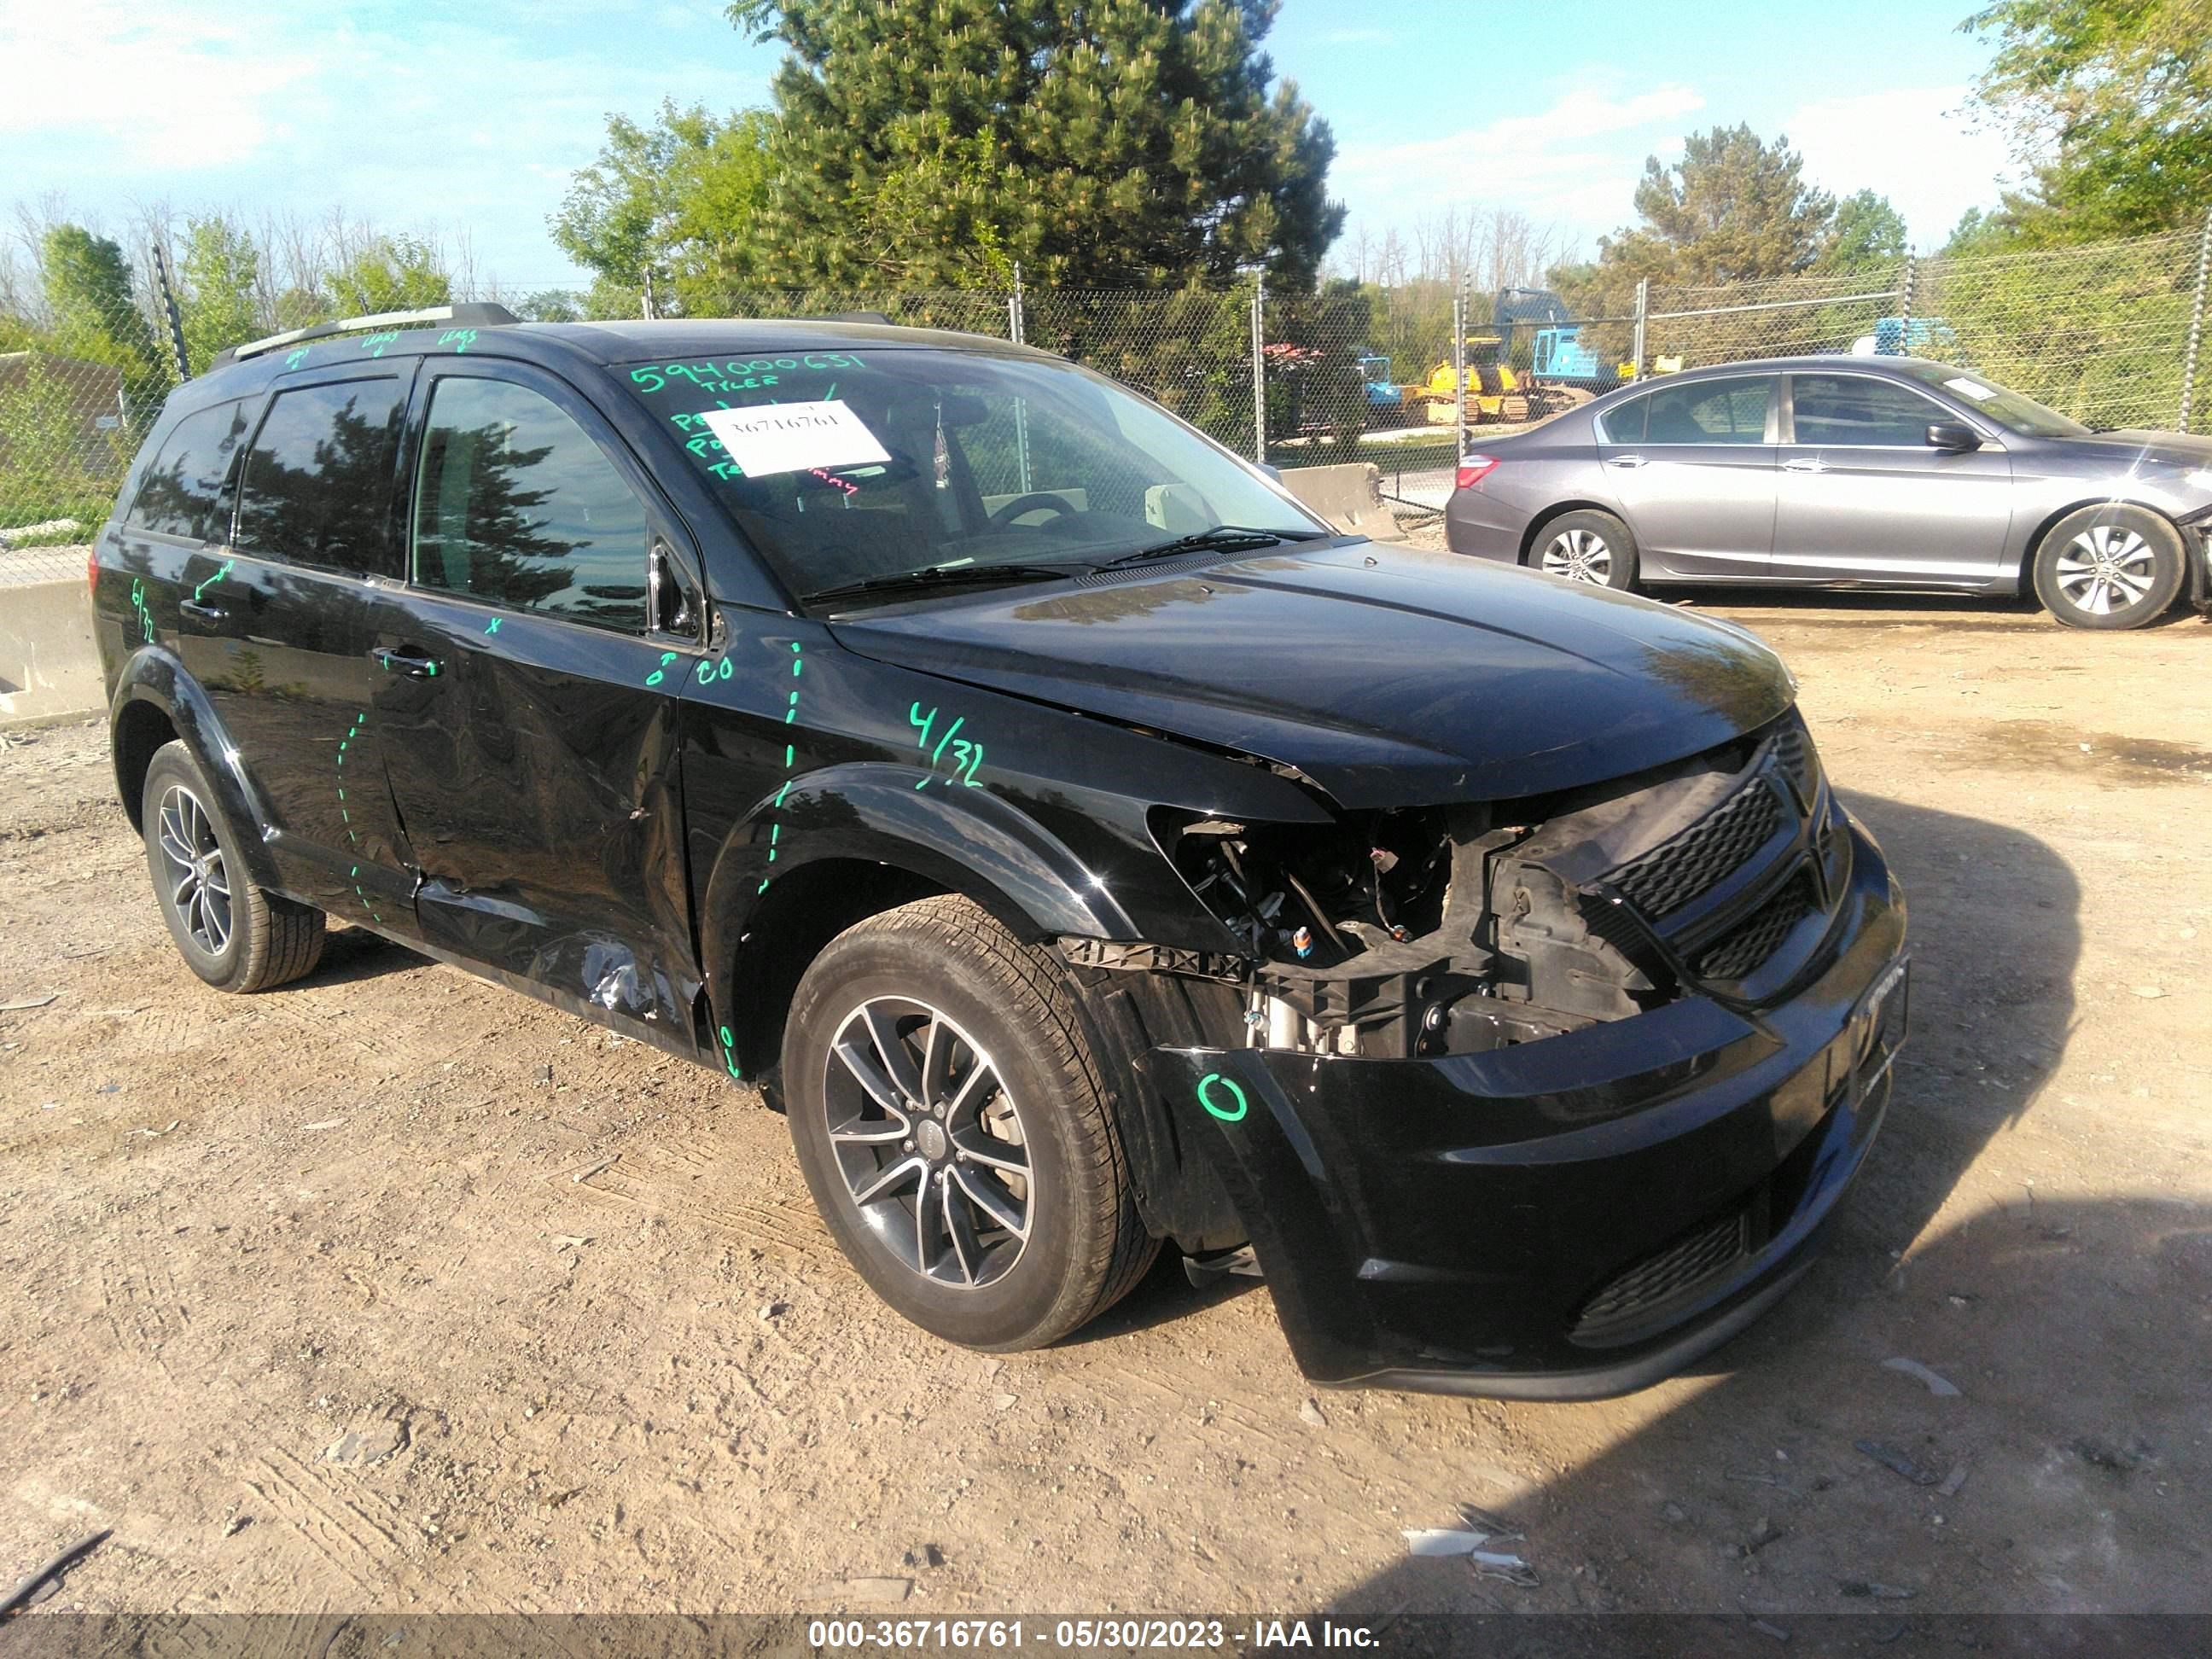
x: 528, y: 699
x: 270, y: 626
x: 1691, y: 466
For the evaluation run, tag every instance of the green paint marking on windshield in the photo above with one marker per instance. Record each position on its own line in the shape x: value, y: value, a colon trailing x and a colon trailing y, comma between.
x: 790, y: 760
x: 1205, y: 1093
x: 352, y: 834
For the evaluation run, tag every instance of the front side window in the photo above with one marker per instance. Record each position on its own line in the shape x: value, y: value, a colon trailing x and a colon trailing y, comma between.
x: 1855, y: 411
x: 844, y: 467
x: 184, y: 484
x: 1730, y: 411
x: 514, y: 504
x: 317, y: 488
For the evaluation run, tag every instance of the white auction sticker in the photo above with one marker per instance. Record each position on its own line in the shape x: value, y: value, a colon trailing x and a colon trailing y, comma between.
x: 1973, y: 389
x: 792, y: 437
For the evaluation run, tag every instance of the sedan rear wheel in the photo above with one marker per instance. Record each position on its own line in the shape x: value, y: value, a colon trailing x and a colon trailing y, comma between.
x: 1587, y: 546
x: 2110, y: 567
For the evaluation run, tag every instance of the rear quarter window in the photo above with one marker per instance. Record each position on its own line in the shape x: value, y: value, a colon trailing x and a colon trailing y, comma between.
x: 184, y: 487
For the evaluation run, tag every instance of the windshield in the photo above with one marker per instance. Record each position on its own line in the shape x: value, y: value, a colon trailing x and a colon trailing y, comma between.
x: 874, y: 465
x: 2006, y: 408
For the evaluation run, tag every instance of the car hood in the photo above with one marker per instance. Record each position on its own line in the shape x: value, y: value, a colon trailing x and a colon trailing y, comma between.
x: 1390, y: 677
x: 2144, y: 444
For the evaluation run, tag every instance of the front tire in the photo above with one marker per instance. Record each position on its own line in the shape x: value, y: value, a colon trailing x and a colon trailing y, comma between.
x: 1586, y: 546
x: 232, y: 933
x: 2110, y: 567
x: 953, y: 1125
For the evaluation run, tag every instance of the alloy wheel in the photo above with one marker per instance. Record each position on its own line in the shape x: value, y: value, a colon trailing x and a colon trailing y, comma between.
x: 1580, y: 555
x: 2106, y: 569
x: 200, y: 882
x: 929, y: 1142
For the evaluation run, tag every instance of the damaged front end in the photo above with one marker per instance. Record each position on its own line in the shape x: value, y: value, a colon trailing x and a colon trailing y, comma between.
x: 1536, y: 1097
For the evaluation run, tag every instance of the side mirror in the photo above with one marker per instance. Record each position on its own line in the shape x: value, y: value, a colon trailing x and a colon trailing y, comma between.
x: 1272, y: 471
x: 1953, y: 437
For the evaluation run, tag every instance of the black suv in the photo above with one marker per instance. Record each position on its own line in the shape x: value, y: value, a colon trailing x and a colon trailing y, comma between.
x: 1080, y: 841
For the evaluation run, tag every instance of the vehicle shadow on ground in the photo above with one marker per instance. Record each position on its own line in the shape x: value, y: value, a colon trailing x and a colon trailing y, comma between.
x: 2071, y: 1330
x: 352, y: 954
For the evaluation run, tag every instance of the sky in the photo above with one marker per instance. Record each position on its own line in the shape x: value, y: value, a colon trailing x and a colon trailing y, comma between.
x: 469, y: 121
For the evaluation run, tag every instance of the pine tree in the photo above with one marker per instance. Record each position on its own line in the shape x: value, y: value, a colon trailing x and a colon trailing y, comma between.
x: 926, y: 143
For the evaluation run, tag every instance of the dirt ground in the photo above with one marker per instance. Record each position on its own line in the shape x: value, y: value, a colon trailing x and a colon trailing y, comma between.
x: 329, y: 1299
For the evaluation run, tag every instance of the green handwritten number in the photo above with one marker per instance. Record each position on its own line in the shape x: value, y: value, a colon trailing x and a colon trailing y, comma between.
x: 639, y: 376
x: 915, y: 717
x: 975, y: 761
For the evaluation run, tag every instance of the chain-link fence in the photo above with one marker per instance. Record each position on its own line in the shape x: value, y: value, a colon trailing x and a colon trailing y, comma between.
x: 1406, y: 376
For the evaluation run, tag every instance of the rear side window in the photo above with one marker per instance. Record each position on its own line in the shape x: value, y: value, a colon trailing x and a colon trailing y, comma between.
x: 1852, y: 410
x: 1730, y: 411
x: 184, y: 487
x: 317, y: 488
x: 514, y: 504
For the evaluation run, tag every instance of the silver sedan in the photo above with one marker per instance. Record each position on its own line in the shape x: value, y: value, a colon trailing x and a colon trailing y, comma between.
x: 1894, y: 473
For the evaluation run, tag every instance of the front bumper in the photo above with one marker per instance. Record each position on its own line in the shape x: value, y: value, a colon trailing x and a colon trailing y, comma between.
x: 1568, y: 1219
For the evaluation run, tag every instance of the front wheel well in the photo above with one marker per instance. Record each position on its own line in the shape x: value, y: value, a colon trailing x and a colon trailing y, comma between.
x: 139, y: 733
x: 1557, y: 510
x: 798, y: 914
x: 2025, y: 573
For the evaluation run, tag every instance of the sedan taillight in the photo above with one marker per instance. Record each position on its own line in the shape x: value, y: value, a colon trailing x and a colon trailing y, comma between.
x: 1473, y: 469
x: 92, y: 571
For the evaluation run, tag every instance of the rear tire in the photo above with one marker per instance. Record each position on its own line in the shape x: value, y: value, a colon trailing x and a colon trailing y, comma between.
x: 974, y: 1177
x: 1587, y: 546
x: 234, y: 935
x: 2110, y: 567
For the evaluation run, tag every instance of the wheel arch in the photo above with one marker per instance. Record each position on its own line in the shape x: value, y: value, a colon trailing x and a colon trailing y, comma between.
x: 1556, y: 511
x: 155, y: 702
x: 849, y: 843
x: 2024, y: 571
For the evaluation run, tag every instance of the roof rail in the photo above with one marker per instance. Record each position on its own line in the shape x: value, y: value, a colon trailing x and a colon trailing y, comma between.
x: 468, y: 314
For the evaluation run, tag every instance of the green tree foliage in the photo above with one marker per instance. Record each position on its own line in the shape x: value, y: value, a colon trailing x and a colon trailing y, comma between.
x: 2111, y: 100
x: 94, y: 314
x: 1868, y: 232
x: 677, y: 197
x: 219, y: 271
x: 1734, y: 209
x: 390, y: 273
x: 935, y: 144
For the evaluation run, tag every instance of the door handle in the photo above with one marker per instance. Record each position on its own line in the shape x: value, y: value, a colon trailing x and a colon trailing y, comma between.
x: 1803, y: 463
x: 203, y: 611
x: 402, y: 662
x: 1624, y: 460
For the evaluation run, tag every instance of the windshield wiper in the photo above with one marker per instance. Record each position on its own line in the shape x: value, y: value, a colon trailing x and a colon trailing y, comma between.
x: 943, y: 575
x: 1223, y: 537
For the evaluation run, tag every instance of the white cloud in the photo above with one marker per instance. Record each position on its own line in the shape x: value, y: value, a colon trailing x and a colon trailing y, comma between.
x: 1911, y: 145
x: 189, y: 90
x: 1573, y: 165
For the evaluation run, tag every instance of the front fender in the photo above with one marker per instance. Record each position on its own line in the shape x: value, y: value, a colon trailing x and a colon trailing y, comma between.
x: 964, y: 841
x: 153, y: 675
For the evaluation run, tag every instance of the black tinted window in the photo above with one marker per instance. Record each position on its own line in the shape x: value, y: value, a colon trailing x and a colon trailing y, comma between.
x: 1853, y: 409
x: 318, y: 484
x: 1623, y: 424
x: 516, y: 503
x: 1732, y: 411
x: 181, y: 491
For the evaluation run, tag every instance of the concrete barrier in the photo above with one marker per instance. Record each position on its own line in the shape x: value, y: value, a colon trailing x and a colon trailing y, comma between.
x: 49, y: 667
x: 1349, y: 496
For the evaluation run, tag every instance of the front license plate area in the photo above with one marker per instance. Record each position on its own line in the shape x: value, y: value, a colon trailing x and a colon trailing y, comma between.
x: 1880, y: 1025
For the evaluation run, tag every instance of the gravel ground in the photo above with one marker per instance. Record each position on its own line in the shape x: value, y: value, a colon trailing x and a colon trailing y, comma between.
x: 315, y: 1300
